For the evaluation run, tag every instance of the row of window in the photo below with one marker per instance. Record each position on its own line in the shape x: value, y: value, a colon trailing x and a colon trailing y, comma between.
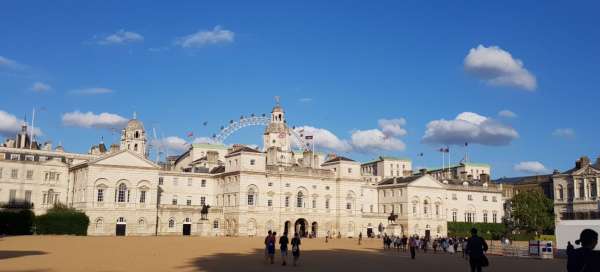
x: 470, y: 198
x: 49, y: 197
x: 188, y: 201
x: 161, y: 181
x: 300, y: 202
x: 582, y: 193
x: 470, y: 217
x: 48, y: 176
x: 122, y: 194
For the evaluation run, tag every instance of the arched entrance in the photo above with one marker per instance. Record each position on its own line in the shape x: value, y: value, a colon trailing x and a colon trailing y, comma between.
x: 300, y: 227
x: 286, y: 227
x: 314, y: 229
x: 187, y: 227
x: 121, y: 227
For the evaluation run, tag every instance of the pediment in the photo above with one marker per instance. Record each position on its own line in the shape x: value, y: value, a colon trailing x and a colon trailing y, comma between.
x: 124, y: 158
x: 587, y: 170
x: 426, y: 181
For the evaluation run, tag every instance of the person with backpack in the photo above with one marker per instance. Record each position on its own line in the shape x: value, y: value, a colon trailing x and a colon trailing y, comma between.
x: 283, y: 246
x: 296, y: 248
x: 475, y: 249
x: 271, y: 246
x: 267, y: 246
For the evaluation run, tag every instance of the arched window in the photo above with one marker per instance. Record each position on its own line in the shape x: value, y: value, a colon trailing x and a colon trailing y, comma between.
x: 135, y: 147
x: 593, y: 189
x: 137, y: 134
x: 300, y: 200
x: 171, y: 223
x: 122, y: 193
x: 560, y: 191
x: 99, y: 225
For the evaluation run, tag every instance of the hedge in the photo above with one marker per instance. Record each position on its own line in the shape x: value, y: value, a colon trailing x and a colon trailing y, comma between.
x: 486, y: 230
x: 13, y: 222
x: 62, y: 220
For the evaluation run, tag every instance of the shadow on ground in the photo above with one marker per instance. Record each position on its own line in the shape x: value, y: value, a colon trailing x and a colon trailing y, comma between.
x: 373, y: 260
x: 8, y: 254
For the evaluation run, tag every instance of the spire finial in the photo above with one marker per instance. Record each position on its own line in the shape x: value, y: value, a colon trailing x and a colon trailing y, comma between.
x: 277, y: 98
x: 134, y: 115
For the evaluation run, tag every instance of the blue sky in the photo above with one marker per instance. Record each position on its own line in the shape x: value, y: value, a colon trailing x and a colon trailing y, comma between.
x: 339, y: 67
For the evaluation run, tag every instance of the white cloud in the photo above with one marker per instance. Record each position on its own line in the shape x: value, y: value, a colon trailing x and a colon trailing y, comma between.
x: 91, y: 91
x: 497, y: 67
x: 392, y: 127
x: 171, y: 143
x: 564, y: 133
x: 205, y: 37
x: 507, y: 114
x: 10, y: 125
x: 92, y: 120
x: 121, y: 37
x: 324, y: 139
x: 375, y: 139
x: 10, y: 64
x: 469, y: 127
x: 531, y: 167
x: 40, y: 87
x: 202, y: 140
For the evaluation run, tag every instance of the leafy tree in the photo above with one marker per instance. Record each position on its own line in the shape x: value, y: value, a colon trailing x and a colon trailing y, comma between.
x: 533, y: 212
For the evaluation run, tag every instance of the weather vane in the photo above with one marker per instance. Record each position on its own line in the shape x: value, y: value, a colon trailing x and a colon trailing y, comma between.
x: 277, y: 99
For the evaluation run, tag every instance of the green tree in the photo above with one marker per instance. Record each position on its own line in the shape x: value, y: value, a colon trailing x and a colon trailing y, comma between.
x: 533, y: 212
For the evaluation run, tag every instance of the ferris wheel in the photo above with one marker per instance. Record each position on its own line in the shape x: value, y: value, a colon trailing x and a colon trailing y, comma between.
x: 253, y: 120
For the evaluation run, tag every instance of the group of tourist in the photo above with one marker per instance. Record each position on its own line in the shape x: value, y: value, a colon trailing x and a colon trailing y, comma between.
x: 271, y: 241
x: 474, y: 248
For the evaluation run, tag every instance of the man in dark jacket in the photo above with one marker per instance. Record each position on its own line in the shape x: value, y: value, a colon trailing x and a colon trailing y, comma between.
x: 476, y: 248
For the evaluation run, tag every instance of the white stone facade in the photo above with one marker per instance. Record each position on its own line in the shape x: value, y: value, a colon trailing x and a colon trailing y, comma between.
x: 249, y: 191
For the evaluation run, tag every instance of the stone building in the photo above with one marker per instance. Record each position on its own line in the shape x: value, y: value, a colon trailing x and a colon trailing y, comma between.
x: 218, y: 190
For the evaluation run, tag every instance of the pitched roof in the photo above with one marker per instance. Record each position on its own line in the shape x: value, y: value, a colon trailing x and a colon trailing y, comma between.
x: 398, y: 180
x: 218, y: 169
x: 523, y: 179
x: 339, y: 158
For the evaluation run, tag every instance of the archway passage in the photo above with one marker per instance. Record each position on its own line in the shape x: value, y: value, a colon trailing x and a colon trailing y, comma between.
x: 121, y: 227
x: 314, y: 229
x: 187, y: 229
x: 286, y: 227
x: 300, y: 227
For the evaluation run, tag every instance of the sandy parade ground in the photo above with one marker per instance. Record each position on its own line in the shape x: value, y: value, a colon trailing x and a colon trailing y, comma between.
x: 66, y: 253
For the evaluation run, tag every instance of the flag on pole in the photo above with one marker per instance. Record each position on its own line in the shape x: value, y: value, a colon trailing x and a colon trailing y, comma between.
x: 190, y: 134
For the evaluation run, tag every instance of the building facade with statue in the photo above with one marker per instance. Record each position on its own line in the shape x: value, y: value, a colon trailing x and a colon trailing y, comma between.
x: 218, y: 190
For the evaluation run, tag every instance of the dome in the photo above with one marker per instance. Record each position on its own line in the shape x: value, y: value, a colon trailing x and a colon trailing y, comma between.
x: 134, y: 124
x: 277, y: 109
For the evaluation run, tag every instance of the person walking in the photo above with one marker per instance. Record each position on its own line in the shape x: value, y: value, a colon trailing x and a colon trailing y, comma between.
x: 296, y: 248
x: 327, y: 237
x: 267, y: 246
x: 412, y: 243
x: 283, y: 246
x: 271, y: 246
x: 359, y: 238
x: 476, y: 248
x: 584, y: 259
